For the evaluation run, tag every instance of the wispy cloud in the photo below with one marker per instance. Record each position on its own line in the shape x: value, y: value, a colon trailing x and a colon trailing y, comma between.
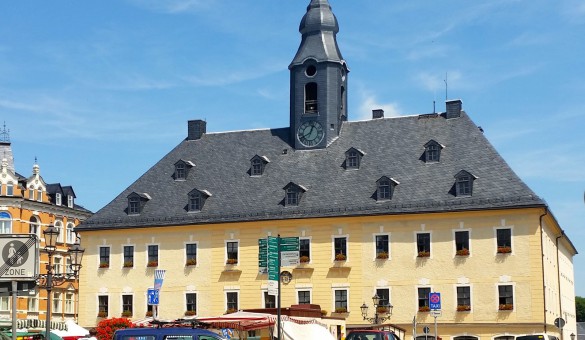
x: 530, y: 39
x: 556, y: 162
x: 173, y: 6
x: 369, y: 102
x: 213, y: 76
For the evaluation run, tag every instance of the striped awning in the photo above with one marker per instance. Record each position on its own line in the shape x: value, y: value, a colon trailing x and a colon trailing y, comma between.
x: 35, y: 323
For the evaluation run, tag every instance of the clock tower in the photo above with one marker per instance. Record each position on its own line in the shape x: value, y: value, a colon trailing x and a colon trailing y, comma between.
x: 318, y: 81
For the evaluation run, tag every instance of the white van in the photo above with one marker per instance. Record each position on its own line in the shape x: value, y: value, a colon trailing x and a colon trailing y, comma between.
x: 537, y: 336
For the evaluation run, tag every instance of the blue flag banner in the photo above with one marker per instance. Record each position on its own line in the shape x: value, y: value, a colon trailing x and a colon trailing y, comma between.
x: 159, y: 276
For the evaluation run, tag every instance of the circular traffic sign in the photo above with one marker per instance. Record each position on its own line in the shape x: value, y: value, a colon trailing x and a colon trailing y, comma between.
x: 15, y: 253
x: 435, y: 298
x: 426, y: 329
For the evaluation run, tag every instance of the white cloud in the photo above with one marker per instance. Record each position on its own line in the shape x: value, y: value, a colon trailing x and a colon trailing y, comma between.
x: 369, y: 102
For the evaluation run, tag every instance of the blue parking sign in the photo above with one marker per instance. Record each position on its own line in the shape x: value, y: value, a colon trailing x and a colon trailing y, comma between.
x: 435, y: 301
x: 152, y: 295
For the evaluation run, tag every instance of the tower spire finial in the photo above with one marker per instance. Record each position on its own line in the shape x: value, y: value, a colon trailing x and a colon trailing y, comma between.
x: 5, y: 134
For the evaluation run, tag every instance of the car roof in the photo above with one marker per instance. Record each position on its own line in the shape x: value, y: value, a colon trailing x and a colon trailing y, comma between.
x: 167, y: 331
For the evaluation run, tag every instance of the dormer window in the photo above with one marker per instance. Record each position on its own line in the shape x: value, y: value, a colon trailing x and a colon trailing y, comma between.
x: 293, y: 194
x: 58, y: 199
x: 182, y: 169
x: 197, y: 200
x: 464, y: 183
x: 385, y: 188
x: 257, y: 165
x: 353, y: 158
x: 433, y: 151
x: 70, y: 201
x: 136, y: 202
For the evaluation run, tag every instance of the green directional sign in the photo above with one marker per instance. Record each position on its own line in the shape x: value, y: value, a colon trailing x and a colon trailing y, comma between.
x: 262, y: 256
x: 289, y: 251
x: 273, y: 265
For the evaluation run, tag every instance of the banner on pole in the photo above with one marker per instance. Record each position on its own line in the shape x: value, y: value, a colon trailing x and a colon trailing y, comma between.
x: 159, y: 276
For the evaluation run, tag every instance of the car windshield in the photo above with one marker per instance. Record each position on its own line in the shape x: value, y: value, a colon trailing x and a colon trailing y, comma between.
x: 365, y: 336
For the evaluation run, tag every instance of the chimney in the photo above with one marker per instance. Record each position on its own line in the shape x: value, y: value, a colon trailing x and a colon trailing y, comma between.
x: 379, y: 113
x: 453, y: 108
x: 196, y: 129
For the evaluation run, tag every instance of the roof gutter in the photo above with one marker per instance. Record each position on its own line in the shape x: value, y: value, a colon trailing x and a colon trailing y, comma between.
x: 542, y: 264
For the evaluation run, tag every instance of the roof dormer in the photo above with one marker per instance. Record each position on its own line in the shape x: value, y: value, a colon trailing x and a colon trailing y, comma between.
x: 182, y: 168
x: 257, y: 165
x: 433, y: 151
x: 464, y: 183
x: 136, y: 202
x: 353, y: 158
x: 196, y: 200
x: 385, y: 188
x: 293, y: 194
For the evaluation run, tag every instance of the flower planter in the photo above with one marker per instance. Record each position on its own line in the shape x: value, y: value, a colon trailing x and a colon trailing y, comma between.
x: 102, y: 315
x: 382, y: 255
x: 463, y: 252
x: 104, y: 265
x: 504, y: 250
x: 340, y: 310
x: 323, y: 312
x: 340, y: 257
x: 191, y: 262
x: 507, y: 306
x: 152, y: 264
x: 424, y: 254
x: 190, y: 313
x: 424, y: 309
x: 230, y: 311
x: 304, y: 259
x: 231, y: 261
x: 126, y: 314
x: 382, y: 310
x: 128, y: 264
x: 463, y: 308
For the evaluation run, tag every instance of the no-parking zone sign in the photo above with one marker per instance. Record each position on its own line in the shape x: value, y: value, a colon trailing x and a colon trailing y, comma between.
x: 435, y: 301
x: 19, y: 257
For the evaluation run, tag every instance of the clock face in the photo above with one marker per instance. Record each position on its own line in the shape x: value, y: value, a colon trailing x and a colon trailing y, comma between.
x: 310, y: 133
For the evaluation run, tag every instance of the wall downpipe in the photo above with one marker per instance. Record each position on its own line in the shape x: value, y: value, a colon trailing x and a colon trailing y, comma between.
x: 542, y: 263
x: 559, y: 279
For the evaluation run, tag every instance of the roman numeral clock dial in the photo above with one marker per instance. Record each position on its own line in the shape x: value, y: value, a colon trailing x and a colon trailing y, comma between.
x: 310, y: 133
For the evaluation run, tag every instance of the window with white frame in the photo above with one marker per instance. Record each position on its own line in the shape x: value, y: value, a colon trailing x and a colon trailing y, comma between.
x: 506, y: 297
x: 33, y: 227
x: 70, y: 201
x: 269, y: 300
x: 59, y: 225
x: 231, y: 248
x: 382, y: 246
x: 103, y: 305
x: 31, y: 194
x: 104, y: 257
x: 4, y: 303
x: 40, y: 195
x: 58, y: 264
x: 423, y: 298
x: 191, y: 254
x: 32, y: 303
x: 305, y: 250
x: 127, y: 305
x: 462, y: 242
x: 423, y: 244
x: 341, y: 301
x: 57, y: 302
x: 69, y: 303
x: 340, y: 248
x: 463, y: 298
x: 504, y: 240
x: 304, y: 297
x: 68, y: 268
x: 5, y: 223
x: 58, y: 199
x: 384, y: 295
x: 152, y: 255
x: 128, y: 257
x: 10, y: 189
x: 231, y: 301
x: 191, y: 302
x: 70, y: 233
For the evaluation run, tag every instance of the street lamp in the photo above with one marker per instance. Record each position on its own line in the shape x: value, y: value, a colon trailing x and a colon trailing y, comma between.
x: 377, y: 319
x: 572, y: 336
x: 50, y: 279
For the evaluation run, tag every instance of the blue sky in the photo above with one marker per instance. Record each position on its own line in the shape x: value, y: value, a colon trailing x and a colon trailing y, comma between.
x: 99, y: 91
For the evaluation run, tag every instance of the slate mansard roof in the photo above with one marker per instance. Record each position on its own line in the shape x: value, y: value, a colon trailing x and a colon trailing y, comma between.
x: 392, y: 147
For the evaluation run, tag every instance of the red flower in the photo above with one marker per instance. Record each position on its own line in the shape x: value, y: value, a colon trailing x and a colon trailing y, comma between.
x: 106, y: 328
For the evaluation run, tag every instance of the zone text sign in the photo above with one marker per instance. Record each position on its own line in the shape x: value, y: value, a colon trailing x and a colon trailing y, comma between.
x: 19, y: 257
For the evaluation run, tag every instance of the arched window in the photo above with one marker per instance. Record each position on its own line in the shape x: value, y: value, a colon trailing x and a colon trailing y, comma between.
x: 5, y: 223
x: 59, y: 226
x: 34, y: 226
x: 70, y: 233
x: 311, y: 98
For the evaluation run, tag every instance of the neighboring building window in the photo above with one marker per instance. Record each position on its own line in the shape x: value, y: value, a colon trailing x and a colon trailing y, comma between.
x: 10, y: 189
x: 304, y: 296
x: 423, y: 297
x: 104, y: 257
x: 340, y: 300
x: 311, y: 105
x: 70, y: 232
x: 69, y: 303
x: 340, y: 248
x: 464, y: 183
x: 127, y: 304
x: 70, y: 201
x: 305, y: 250
x: 68, y: 268
x: 384, y: 295
x: 103, y: 305
x: 504, y: 240
x: 423, y: 244
x: 462, y: 242
x: 56, y: 302
x: 191, y: 253
x: 269, y: 300
x: 5, y: 303
x: 32, y: 304
x: 257, y: 165
x: 231, y: 301
x: 463, y: 296
x: 382, y: 246
x: 231, y: 248
x: 191, y: 302
x: 385, y: 188
x: 506, y: 297
x: 59, y: 226
x: 58, y: 199
x: 5, y: 223
x: 153, y: 255
x: 58, y: 265
x: 353, y: 158
x: 34, y: 226
x: 128, y: 256
x: 432, y: 151
x: 31, y: 194
x: 293, y: 194
x: 40, y: 195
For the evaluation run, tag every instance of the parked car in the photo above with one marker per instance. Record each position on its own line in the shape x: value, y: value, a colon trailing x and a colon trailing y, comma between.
x: 539, y: 336
x: 371, y: 334
x: 176, y: 333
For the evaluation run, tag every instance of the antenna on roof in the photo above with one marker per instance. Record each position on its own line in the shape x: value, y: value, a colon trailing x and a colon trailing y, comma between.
x: 445, y: 80
x: 434, y: 111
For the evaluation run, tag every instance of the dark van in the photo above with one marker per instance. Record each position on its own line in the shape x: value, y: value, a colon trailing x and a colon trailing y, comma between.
x: 176, y: 333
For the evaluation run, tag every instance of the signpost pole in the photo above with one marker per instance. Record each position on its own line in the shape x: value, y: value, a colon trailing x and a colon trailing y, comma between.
x: 436, y: 327
x: 14, y: 293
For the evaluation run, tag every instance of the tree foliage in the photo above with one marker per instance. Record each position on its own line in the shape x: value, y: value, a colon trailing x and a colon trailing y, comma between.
x: 106, y: 328
x: 580, y: 308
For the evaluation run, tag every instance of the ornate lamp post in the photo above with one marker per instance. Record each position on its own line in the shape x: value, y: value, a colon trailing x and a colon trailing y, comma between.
x: 51, y: 279
x: 572, y: 336
x: 377, y: 319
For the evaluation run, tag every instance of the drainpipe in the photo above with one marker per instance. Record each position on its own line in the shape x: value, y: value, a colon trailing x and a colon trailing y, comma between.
x: 542, y: 263
x: 559, y: 279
